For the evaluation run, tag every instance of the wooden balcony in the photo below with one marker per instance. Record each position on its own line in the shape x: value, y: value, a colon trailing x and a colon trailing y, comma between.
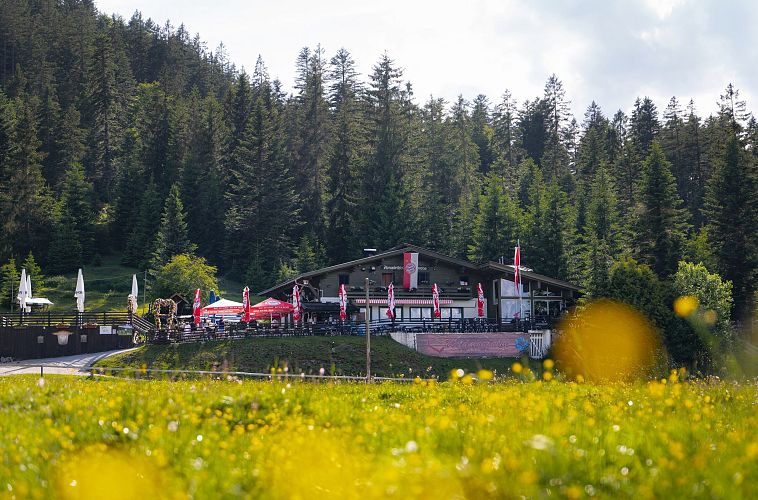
x: 422, y: 292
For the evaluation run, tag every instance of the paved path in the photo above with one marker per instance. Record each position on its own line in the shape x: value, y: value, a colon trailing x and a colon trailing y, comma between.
x: 66, y: 365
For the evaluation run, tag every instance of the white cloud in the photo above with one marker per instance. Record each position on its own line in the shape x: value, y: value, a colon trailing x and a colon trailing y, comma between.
x: 609, y: 51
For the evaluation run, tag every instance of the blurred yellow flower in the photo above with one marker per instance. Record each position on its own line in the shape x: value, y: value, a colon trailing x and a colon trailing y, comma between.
x: 484, y: 375
x: 685, y: 305
x: 548, y: 364
x: 516, y: 367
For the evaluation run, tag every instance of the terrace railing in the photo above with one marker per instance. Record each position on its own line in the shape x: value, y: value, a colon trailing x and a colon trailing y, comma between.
x: 377, y: 327
x: 70, y: 319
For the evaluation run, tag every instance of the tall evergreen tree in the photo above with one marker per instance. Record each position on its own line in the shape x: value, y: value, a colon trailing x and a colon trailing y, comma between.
x: 173, y: 237
x: 498, y: 223
x: 644, y: 126
x: 311, y: 137
x: 482, y: 132
x: 661, y: 224
x: 25, y: 206
x: 141, y: 242
x: 344, y: 159
x: 732, y: 210
x: 383, y: 209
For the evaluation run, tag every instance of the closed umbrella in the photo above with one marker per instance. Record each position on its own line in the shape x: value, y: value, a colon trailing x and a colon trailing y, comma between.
x: 246, y: 305
x: 135, y: 288
x: 197, y: 306
x: 296, y: 303
x: 23, y: 292
x: 79, y: 293
x: 390, y: 302
x: 28, y: 291
x: 343, y: 303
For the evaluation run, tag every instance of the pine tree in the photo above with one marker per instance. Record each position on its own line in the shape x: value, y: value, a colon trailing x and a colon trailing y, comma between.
x: 644, y: 126
x: 10, y: 277
x: 661, y: 224
x: 694, y: 175
x: 311, y: 138
x: 34, y: 270
x: 201, y: 184
x: 383, y: 210
x: 105, y: 106
x: 482, y: 132
x: 552, y: 234
x: 464, y: 182
x: 344, y: 160
x: 498, y: 223
x: 172, y: 237
x: 25, y: 206
x: 130, y: 175
x: 77, y: 194
x: 505, y: 131
x: 141, y: 242
x: 731, y: 207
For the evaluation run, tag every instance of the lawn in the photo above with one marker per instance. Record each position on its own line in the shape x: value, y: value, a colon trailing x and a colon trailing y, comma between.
x: 336, y: 355
x: 107, y: 438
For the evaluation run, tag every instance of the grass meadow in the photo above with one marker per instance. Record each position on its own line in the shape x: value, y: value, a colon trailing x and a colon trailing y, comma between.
x: 101, y: 438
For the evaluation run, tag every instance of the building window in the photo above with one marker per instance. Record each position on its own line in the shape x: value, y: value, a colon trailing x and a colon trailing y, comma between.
x: 423, y: 278
x: 451, y: 312
x: 344, y: 279
x: 463, y: 281
x: 387, y: 278
x: 421, y: 313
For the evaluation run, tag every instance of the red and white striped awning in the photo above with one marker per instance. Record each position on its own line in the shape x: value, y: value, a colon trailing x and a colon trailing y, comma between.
x: 404, y: 302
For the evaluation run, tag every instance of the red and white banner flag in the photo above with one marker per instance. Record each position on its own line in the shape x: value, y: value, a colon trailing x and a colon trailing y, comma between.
x: 296, y: 303
x: 517, y: 269
x: 480, y: 300
x: 196, y: 306
x: 246, y: 305
x: 436, y: 300
x: 343, y: 303
x: 410, y: 270
x: 391, y: 302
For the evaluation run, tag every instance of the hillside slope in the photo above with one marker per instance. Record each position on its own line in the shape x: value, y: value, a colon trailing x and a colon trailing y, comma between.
x: 347, y: 355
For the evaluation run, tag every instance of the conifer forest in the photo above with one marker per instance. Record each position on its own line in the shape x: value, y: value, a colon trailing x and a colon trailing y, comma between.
x: 130, y: 138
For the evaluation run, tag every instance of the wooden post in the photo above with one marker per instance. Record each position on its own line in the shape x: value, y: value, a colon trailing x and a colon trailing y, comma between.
x: 368, y: 338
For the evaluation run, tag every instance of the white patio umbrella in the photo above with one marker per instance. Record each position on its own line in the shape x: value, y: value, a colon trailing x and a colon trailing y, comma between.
x: 79, y: 293
x: 135, y: 289
x: 28, y: 291
x: 23, y: 292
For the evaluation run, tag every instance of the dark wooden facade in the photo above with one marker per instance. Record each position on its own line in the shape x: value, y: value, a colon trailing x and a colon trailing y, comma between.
x: 456, y: 278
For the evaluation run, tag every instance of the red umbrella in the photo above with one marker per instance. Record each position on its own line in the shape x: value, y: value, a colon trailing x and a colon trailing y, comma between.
x: 390, y: 302
x: 196, y: 305
x: 246, y: 305
x: 270, y: 308
x: 479, y: 300
x: 296, y: 303
x: 436, y: 300
x: 343, y: 303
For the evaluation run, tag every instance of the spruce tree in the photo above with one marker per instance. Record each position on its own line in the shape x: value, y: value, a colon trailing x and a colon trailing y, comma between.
x: 172, y: 237
x: 661, y: 224
x: 25, y: 204
x: 732, y: 210
x: 498, y: 223
x: 10, y: 277
x: 383, y: 211
x: 141, y: 242
x: 344, y: 160
x: 33, y: 269
x: 311, y: 137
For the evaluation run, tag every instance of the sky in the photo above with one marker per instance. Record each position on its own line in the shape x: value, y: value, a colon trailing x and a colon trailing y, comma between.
x: 609, y: 51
